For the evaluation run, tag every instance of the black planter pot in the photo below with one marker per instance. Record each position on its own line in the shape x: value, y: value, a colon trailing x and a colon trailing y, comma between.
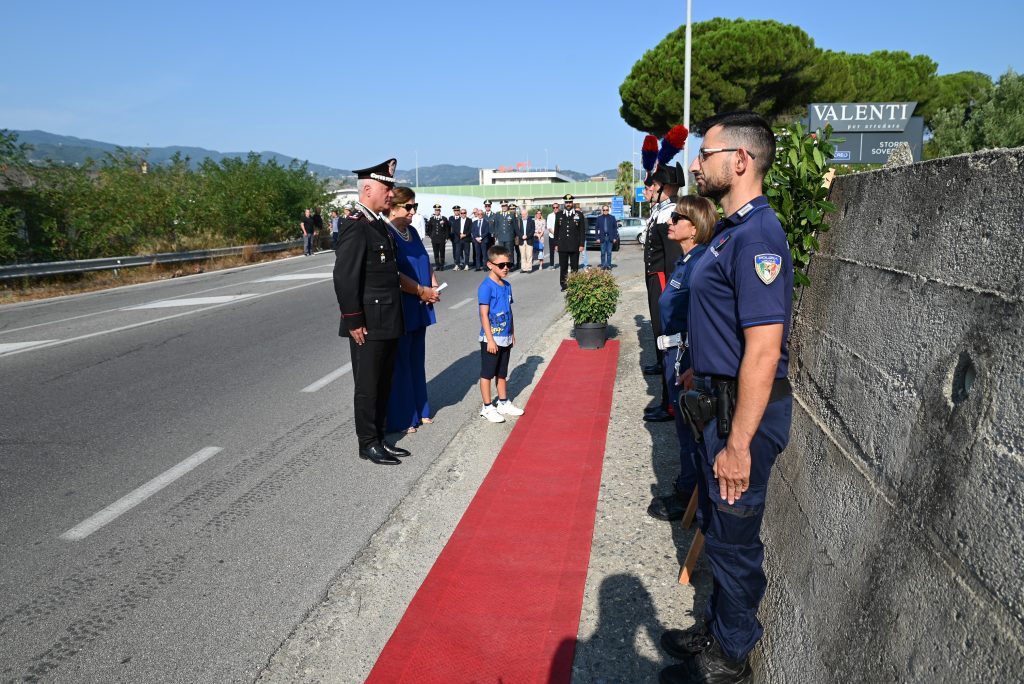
x: 591, y: 335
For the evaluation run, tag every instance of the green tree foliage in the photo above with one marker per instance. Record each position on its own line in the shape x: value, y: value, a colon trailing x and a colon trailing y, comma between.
x: 124, y: 206
x: 776, y: 70
x: 624, y: 182
x: 956, y: 90
x: 737, y: 64
x: 876, y: 77
x: 994, y: 120
x: 796, y: 191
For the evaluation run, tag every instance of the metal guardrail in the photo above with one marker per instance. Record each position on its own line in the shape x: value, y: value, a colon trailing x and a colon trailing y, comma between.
x: 114, y: 263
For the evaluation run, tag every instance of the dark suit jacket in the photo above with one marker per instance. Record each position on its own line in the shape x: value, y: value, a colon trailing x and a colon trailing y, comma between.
x: 366, y: 278
x: 457, y: 227
x: 607, y: 228
x: 482, y: 230
x: 525, y: 231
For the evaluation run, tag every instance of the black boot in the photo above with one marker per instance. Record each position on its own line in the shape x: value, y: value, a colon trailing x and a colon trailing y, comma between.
x: 710, y: 666
x: 669, y: 507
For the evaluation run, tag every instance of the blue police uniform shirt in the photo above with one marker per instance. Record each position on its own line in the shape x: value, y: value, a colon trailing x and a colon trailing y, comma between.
x: 674, y: 302
x: 745, y: 279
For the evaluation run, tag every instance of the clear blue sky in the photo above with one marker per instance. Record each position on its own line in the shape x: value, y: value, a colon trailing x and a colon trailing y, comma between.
x: 347, y: 83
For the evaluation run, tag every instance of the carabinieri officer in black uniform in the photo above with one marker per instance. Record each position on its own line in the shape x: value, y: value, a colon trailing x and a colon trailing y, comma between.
x: 660, y: 255
x: 366, y: 282
x: 741, y: 302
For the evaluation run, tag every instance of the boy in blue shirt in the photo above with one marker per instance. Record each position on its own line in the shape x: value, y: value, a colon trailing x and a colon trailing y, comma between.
x: 497, y: 335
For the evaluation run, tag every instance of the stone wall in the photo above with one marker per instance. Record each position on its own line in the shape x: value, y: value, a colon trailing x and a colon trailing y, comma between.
x: 895, y: 529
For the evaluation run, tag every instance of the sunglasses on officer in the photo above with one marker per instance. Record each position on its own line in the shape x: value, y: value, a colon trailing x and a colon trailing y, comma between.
x: 407, y: 207
x: 676, y: 217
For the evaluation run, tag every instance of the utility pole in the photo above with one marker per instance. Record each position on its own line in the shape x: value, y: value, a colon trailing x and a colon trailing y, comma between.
x: 686, y: 99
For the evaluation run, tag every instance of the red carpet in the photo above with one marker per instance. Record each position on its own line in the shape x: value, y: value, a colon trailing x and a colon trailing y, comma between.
x: 502, y: 602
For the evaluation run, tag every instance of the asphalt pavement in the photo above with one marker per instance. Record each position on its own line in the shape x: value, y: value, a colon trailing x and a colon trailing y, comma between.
x: 182, y: 500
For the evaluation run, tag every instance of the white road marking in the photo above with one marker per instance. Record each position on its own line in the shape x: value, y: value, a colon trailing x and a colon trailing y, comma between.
x: 295, y: 276
x: 328, y: 379
x: 141, y: 324
x: 188, y: 301
x: 11, y: 346
x: 464, y: 302
x: 108, y: 292
x: 133, y: 499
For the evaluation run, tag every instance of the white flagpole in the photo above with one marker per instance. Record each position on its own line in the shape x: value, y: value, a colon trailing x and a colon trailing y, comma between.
x: 686, y: 97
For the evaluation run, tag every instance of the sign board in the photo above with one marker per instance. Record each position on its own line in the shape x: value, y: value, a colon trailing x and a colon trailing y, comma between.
x: 871, y: 130
x: 875, y: 148
x: 617, y: 205
x: 639, y: 194
x: 861, y: 117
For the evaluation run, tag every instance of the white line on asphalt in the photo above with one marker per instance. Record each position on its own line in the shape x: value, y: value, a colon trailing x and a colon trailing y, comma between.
x: 327, y: 379
x: 133, y: 499
x: 132, y: 326
x: 188, y: 301
x: 464, y: 302
x: 11, y: 346
x: 295, y: 276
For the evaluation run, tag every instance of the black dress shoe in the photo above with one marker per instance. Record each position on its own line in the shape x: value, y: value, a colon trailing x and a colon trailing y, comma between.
x: 659, y: 415
x: 710, y: 666
x: 395, y: 450
x: 653, y: 369
x: 669, y: 507
x: 684, y: 643
x: 377, y: 454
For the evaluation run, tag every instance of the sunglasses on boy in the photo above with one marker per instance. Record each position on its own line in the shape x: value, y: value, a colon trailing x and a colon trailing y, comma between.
x: 502, y: 264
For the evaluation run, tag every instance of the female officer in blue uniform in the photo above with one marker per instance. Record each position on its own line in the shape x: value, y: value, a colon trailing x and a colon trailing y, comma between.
x: 741, y: 299
x: 690, y: 226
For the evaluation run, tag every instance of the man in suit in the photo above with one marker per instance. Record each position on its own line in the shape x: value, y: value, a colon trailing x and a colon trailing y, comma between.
x: 460, y: 238
x: 524, y: 234
x: 481, y: 233
x: 367, y: 285
x: 607, y: 236
x: 439, y: 229
x: 570, y: 233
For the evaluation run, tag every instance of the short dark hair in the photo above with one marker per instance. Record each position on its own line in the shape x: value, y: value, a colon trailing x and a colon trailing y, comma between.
x: 748, y: 130
x: 497, y: 251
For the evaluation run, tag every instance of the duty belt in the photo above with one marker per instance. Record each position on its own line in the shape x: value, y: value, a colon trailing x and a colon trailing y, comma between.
x: 714, y: 398
x: 714, y: 384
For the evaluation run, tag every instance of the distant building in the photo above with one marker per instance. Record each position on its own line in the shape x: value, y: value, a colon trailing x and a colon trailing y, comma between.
x: 503, y: 176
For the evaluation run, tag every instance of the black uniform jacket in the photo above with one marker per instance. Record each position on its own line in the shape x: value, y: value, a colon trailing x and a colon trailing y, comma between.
x: 437, y: 229
x: 366, y: 277
x: 660, y: 253
x: 570, y: 230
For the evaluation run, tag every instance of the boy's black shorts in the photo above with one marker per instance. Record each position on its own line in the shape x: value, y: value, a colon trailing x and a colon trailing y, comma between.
x: 494, y: 365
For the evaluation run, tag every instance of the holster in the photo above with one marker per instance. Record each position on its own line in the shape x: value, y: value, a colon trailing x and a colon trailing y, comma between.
x: 715, y: 397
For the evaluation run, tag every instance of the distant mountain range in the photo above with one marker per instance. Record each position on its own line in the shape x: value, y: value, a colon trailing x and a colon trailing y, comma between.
x: 65, y: 149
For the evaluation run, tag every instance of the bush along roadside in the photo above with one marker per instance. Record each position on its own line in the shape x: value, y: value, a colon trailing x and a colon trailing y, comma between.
x: 796, y: 189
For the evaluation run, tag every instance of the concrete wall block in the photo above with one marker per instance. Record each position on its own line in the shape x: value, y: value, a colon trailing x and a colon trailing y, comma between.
x: 941, y: 219
x: 895, y: 521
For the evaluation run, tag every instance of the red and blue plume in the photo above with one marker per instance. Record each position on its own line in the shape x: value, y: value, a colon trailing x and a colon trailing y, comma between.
x: 649, y: 153
x: 672, y: 143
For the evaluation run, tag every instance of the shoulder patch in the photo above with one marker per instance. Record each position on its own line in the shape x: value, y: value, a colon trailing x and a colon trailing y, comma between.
x: 357, y: 215
x: 767, y: 267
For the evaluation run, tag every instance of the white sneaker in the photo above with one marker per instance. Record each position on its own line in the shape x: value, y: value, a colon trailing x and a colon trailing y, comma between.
x: 491, y: 414
x: 509, y: 409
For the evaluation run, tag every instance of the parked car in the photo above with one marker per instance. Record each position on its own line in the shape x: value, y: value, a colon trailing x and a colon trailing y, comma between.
x: 631, y: 231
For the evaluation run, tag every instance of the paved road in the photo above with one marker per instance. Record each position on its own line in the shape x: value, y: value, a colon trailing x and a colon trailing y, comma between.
x: 178, y: 476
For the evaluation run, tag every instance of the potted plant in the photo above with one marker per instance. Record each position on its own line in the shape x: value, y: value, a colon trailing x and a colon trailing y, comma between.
x: 591, y: 296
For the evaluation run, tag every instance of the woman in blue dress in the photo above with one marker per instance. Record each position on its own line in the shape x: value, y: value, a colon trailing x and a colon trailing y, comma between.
x: 692, y: 225
x: 408, y: 406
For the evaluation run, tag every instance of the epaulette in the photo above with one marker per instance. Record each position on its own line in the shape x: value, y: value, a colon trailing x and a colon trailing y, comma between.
x: 358, y: 216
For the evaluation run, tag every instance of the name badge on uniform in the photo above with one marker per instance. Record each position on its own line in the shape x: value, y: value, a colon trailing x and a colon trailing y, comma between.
x: 745, y: 209
x: 675, y: 283
x: 767, y: 267
x: 721, y: 243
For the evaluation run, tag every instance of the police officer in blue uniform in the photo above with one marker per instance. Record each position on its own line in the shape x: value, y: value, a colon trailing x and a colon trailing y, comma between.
x: 368, y: 285
x: 690, y: 225
x: 741, y: 295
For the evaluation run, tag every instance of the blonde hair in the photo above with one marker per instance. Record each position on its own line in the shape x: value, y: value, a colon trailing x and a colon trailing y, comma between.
x: 702, y: 215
